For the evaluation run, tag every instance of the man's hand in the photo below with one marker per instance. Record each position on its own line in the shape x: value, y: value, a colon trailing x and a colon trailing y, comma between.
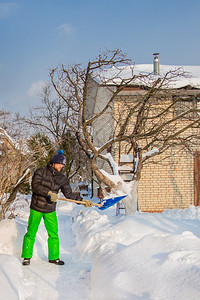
x: 87, y: 203
x: 52, y: 196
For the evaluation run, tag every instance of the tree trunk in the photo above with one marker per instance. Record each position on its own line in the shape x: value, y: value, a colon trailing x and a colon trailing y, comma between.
x: 100, y: 176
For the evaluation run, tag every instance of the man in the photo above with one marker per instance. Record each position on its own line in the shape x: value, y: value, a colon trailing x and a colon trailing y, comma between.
x: 46, y: 183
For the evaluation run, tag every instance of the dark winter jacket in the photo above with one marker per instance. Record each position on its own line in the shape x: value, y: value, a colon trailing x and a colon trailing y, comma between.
x: 49, y: 179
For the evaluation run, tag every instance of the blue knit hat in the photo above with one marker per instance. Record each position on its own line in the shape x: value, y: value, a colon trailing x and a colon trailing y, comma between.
x: 58, y: 158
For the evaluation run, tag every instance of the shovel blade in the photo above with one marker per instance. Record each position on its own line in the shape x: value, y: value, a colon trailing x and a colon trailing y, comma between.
x: 110, y: 202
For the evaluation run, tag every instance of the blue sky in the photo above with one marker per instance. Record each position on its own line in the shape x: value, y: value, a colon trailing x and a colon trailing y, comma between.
x: 37, y: 35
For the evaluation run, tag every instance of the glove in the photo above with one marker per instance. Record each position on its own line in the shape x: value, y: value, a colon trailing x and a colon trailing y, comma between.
x: 87, y: 203
x: 52, y: 196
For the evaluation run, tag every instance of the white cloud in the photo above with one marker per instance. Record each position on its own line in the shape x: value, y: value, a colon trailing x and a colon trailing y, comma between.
x: 6, y: 9
x: 36, y: 88
x: 65, y: 28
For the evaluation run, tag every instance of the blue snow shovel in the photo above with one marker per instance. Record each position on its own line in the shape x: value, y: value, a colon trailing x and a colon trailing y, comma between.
x: 110, y: 201
x: 104, y: 204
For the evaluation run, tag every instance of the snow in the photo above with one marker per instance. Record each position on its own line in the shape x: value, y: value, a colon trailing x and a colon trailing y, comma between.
x: 8, y: 137
x: 151, y: 152
x: 16, y: 145
x: 141, y: 256
x: 23, y: 176
x: 192, y: 74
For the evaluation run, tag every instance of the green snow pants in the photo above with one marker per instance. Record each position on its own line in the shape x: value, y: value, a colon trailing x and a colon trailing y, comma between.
x: 51, y: 224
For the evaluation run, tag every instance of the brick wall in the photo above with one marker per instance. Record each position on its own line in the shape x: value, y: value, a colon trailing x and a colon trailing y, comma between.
x: 167, y: 180
x: 168, y: 184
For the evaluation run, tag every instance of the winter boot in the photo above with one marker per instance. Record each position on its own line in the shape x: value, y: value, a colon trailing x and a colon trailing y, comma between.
x: 57, y: 262
x: 26, y: 262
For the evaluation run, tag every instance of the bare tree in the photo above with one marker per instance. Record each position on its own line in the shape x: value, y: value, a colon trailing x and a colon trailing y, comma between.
x: 14, y: 163
x: 14, y: 174
x: 17, y: 159
x: 51, y: 130
x: 149, y: 125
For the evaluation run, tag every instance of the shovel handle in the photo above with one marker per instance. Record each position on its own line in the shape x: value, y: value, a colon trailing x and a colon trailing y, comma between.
x: 78, y: 202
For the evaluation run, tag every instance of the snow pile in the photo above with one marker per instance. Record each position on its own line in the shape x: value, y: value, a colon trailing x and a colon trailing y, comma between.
x: 11, y: 233
x: 11, y: 278
x: 11, y: 275
x: 146, y: 256
x: 142, y: 256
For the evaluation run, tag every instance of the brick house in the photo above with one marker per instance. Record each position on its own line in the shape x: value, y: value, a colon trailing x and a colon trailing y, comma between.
x: 171, y: 180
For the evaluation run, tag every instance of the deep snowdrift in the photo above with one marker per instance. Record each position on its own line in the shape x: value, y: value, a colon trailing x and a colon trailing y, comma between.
x: 143, y: 256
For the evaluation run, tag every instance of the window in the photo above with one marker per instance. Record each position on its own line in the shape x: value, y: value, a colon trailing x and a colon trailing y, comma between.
x: 185, y: 103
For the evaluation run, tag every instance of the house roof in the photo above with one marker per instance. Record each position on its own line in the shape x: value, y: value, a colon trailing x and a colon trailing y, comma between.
x: 191, y: 77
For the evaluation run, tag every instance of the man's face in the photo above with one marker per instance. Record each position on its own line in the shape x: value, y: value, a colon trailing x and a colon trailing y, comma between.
x: 58, y: 167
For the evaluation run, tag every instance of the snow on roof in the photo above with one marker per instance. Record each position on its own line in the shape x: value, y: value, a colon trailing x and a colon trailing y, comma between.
x: 192, y: 77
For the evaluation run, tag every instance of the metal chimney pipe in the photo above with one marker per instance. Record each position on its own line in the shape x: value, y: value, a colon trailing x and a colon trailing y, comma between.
x: 156, y: 64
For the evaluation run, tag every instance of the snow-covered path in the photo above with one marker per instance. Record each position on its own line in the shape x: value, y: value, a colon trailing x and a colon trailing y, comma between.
x: 47, y: 281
